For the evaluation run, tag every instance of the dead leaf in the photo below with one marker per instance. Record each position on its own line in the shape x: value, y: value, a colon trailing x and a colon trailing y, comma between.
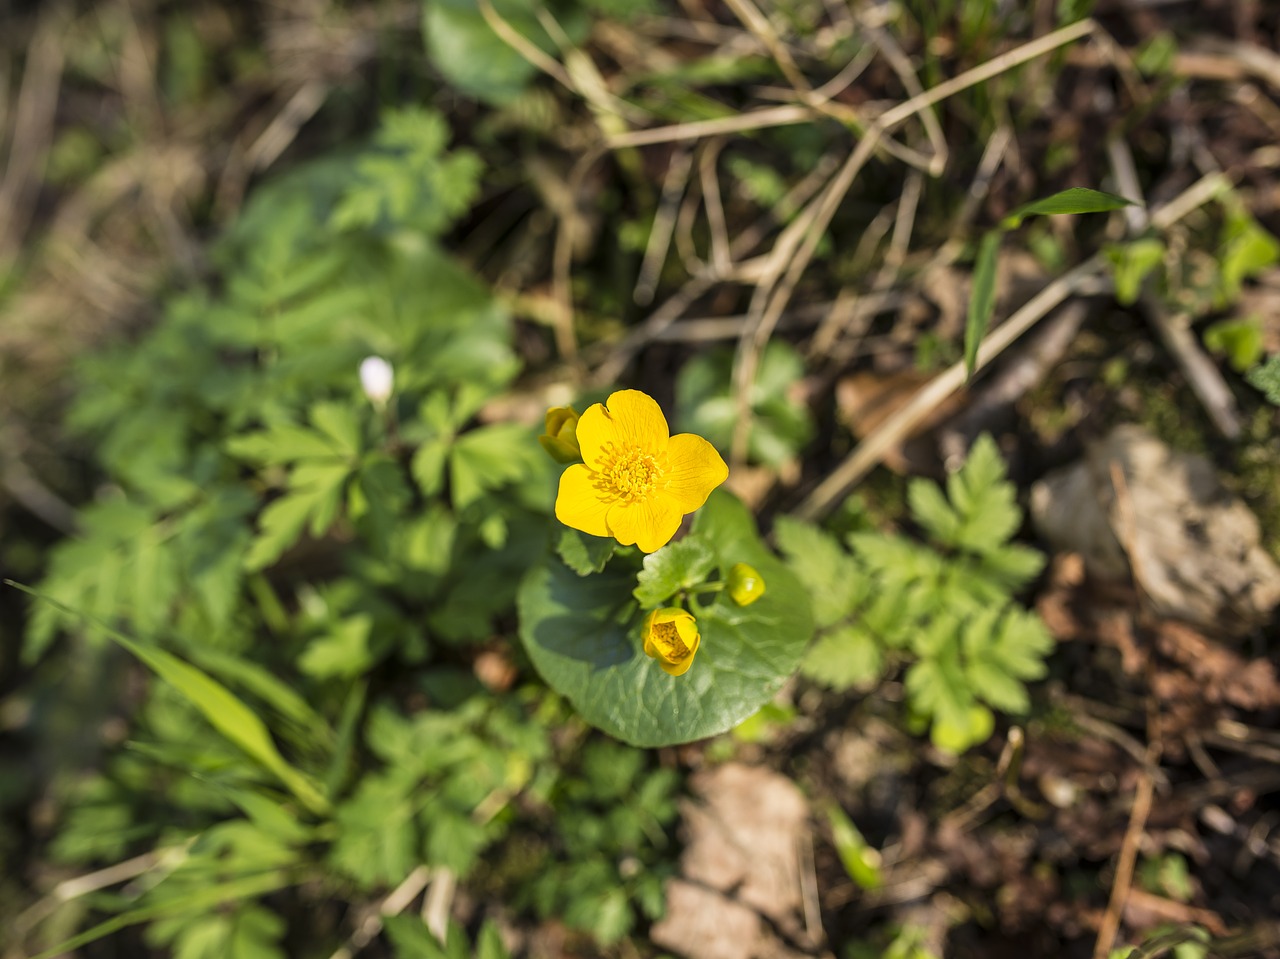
x: 703, y: 924
x: 866, y: 400
x: 1222, y: 675
x: 744, y: 836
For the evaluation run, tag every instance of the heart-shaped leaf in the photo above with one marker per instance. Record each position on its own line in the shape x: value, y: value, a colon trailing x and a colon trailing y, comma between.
x: 583, y: 635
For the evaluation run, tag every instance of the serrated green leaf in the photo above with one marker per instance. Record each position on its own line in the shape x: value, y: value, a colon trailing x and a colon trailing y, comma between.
x: 429, y: 540
x: 341, y: 652
x: 846, y: 657
x: 1012, y: 567
x: 340, y: 425
x: 931, y: 510
x: 995, y: 686
x: 488, y: 458
x: 283, y: 443
x: 583, y: 635
x: 154, y: 583
x: 986, y: 504
x: 679, y: 565
x: 94, y: 572
x: 983, y: 469
x: 895, y: 611
x: 427, y: 466
x: 612, y: 916
x: 937, y: 636
x: 407, y: 180
x: 584, y: 554
x: 988, y: 676
x: 413, y: 940
x: 939, y: 688
x: 982, y: 299
x: 245, y: 931
x: 833, y: 579
x: 1074, y: 200
x: 489, y: 943
x: 376, y: 842
x: 454, y: 840
x: 282, y: 522
x: 1001, y: 649
x: 1022, y: 642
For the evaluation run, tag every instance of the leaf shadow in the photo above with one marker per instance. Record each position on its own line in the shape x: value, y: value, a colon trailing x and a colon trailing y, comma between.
x: 601, y: 634
x: 600, y: 647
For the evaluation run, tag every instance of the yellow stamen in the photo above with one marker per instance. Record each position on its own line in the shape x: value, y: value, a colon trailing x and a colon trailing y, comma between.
x: 629, y: 474
x: 669, y: 636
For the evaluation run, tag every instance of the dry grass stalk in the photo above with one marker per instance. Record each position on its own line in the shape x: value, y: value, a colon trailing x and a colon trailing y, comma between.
x: 1086, y: 277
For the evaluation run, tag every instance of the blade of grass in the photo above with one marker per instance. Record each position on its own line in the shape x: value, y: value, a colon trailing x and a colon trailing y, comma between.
x: 348, y: 726
x: 982, y: 299
x: 1076, y: 200
x: 268, y: 688
x: 226, y: 712
x: 204, y: 899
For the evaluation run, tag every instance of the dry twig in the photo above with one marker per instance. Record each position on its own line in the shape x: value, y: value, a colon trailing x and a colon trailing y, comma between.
x: 790, y: 260
x: 1128, y: 858
x: 1085, y: 278
x: 396, y: 902
x: 32, y: 129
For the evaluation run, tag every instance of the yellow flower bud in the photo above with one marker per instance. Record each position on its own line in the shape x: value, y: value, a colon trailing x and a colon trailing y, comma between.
x: 561, y: 437
x: 746, y: 585
x: 671, y: 637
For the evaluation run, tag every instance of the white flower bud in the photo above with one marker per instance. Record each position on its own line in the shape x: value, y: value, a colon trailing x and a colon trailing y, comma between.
x: 377, y: 379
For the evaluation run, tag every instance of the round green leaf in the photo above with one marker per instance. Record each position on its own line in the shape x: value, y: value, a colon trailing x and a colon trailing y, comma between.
x: 583, y: 635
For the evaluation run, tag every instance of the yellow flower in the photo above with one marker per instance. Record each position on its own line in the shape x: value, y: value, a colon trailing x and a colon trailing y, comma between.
x: 636, y: 481
x: 746, y: 585
x: 560, y: 439
x: 671, y: 637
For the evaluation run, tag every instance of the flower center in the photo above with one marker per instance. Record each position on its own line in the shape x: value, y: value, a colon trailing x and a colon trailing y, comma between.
x: 629, y: 474
x: 667, y: 636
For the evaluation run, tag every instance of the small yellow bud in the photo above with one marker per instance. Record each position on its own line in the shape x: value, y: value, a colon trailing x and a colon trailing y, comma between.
x: 671, y: 637
x: 746, y: 585
x: 561, y: 437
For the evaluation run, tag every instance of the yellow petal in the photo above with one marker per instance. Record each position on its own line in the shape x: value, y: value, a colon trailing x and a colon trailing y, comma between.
x: 687, y: 627
x: 579, y: 504
x: 676, y: 669
x: 650, y: 647
x: 649, y: 524
x: 559, y: 439
x: 674, y: 653
x: 631, y: 419
x: 560, y: 450
x: 694, y: 469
